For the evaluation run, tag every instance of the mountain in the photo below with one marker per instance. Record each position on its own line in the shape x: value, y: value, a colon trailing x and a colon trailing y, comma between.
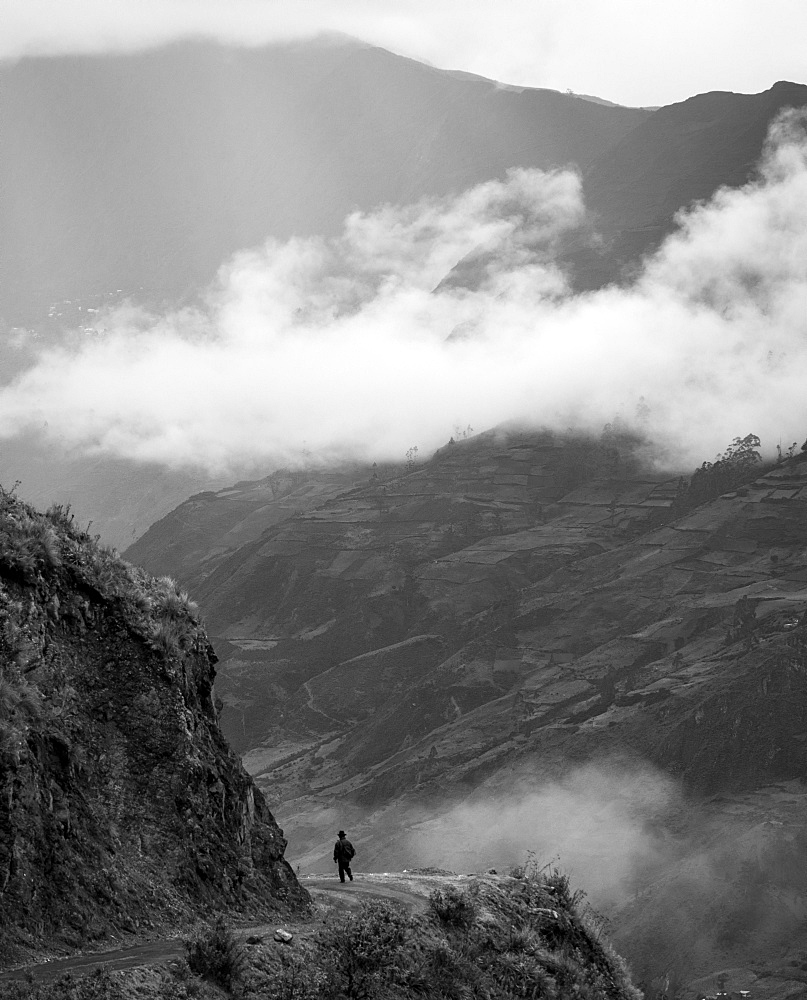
x: 113, y: 497
x: 516, y: 609
x: 142, y: 173
x: 123, y: 810
x: 680, y: 155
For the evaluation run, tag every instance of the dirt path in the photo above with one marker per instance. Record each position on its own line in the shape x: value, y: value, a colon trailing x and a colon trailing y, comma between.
x: 354, y: 893
x: 324, y: 891
x: 153, y: 953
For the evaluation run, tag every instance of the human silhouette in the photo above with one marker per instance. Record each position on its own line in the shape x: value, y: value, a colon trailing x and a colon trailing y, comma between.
x: 343, y: 853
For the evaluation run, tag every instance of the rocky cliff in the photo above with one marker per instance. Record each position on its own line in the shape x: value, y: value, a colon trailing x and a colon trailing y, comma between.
x: 122, y: 808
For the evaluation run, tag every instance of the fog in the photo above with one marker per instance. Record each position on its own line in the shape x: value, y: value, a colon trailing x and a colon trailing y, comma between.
x: 603, y: 824
x: 676, y: 880
x: 317, y: 350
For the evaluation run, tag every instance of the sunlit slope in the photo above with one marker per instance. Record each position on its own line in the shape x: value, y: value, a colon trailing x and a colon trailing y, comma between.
x: 145, y: 172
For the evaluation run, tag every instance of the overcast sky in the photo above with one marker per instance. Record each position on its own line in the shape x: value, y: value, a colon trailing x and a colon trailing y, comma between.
x: 631, y: 51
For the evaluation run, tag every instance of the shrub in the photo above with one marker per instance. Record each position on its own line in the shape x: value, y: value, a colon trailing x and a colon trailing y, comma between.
x: 295, y: 980
x: 168, y: 639
x: 217, y: 954
x: 172, y: 602
x: 364, y: 953
x: 99, y: 985
x: 453, y: 906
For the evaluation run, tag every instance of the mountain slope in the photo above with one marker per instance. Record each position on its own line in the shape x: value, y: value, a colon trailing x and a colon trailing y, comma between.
x: 145, y: 172
x: 680, y: 155
x: 514, y: 610
x: 140, y: 175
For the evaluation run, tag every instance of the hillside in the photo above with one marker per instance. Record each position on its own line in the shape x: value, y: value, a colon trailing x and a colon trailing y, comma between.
x: 144, y: 172
x: 680, y: 155
x: 123, y: 810
x: 516, y: 609
x: 428, y: 935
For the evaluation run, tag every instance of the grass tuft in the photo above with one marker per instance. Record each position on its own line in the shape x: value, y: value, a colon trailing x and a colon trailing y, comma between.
x: 217, y: 954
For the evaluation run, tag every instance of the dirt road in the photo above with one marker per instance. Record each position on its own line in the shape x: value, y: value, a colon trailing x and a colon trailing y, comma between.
x: 327, y: 892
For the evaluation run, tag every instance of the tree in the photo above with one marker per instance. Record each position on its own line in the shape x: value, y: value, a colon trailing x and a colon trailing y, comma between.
x: 738, y: 464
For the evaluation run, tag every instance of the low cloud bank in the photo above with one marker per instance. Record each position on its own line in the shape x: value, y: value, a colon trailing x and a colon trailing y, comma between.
x: 321, y: 350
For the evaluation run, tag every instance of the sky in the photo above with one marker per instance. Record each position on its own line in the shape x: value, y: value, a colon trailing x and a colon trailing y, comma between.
x: 629, y: 51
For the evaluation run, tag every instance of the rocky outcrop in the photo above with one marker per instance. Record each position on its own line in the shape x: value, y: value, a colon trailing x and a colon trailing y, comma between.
x: 122, y: 807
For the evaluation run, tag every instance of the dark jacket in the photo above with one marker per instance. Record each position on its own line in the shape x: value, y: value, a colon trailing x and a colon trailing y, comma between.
x: 343, y: 851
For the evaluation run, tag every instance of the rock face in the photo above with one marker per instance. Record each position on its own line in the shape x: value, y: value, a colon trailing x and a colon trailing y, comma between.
x: 121, y: 805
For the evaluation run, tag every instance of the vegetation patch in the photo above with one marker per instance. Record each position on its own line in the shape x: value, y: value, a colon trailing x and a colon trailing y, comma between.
x: 217, y: 954
x: 522, y: 936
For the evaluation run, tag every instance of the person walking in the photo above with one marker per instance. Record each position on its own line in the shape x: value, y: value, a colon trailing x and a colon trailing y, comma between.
x: 343, y: 853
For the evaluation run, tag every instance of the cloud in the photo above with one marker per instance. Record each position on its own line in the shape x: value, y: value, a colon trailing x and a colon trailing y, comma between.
x: 355, y: 347
x: 601, y: 823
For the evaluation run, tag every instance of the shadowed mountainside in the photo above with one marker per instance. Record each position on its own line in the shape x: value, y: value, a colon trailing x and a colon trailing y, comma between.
x: 139, y: 175
x: 680, y: 155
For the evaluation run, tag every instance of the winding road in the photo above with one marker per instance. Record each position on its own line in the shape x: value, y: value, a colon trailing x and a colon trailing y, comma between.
x: 323, y: 890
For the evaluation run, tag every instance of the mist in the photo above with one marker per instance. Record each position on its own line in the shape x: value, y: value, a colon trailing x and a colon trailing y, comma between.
x: 603, y: 824
x: 312, y: 351
x: 676, y: 879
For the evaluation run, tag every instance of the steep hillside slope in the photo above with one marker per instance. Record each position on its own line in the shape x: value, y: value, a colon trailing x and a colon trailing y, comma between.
x: 680, y: 155
x: 122, y: 806
x: 515, y: 609
x: 486, y: 578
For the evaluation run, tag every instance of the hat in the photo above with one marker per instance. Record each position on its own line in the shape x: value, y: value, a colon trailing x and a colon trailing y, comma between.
x: 341, y: 833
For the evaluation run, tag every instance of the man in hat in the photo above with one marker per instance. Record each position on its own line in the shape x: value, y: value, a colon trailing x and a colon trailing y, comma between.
x: 343, y: 852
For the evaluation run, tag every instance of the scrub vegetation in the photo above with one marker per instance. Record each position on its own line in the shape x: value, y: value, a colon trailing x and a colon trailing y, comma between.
x: 526, y: 935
